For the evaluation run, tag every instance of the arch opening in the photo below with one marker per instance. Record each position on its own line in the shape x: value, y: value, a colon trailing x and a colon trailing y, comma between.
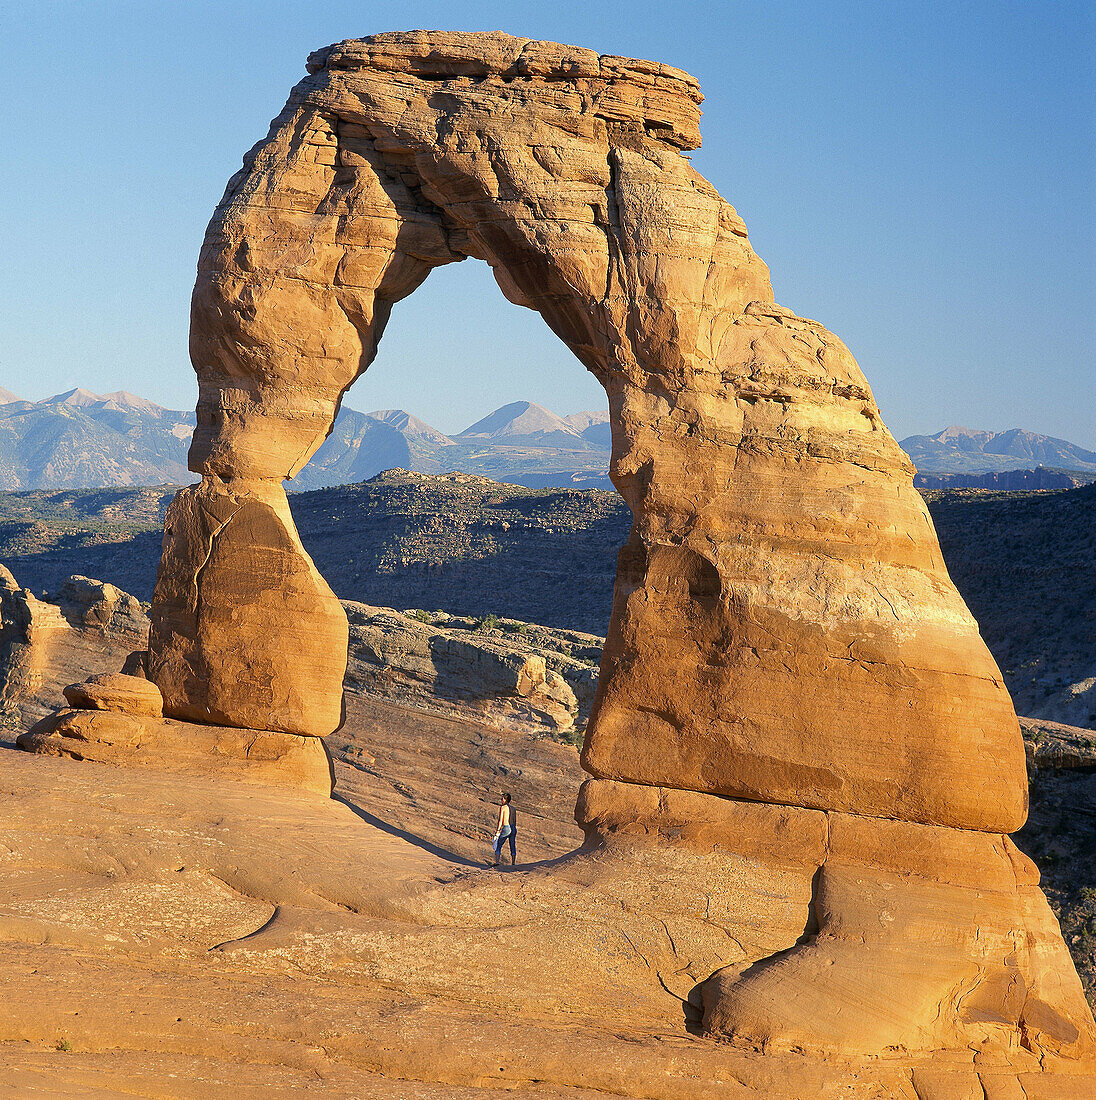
x: 746, y: 441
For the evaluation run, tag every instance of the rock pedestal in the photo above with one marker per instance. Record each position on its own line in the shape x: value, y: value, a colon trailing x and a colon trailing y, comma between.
x: 114, y: 732
x: 245, y: 632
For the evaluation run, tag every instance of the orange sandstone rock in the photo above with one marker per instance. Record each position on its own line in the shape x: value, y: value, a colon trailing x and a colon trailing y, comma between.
x: 118, y: 692
x: 783, y: 626
x: 141, y: 741
x: 245, y: 632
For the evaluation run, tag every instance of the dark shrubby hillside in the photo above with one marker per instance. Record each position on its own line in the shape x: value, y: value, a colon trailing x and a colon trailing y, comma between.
x: 469, y: 546
x: 1022, y: 560
x: 1025, y: 563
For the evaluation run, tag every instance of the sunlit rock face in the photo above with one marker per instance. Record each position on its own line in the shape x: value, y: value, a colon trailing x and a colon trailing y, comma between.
x: 784, y: 628
x: 788, y: 663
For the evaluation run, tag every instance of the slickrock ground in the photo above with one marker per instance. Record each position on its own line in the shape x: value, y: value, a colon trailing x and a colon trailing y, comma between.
x: 196, y: 938
x: 363, y: 973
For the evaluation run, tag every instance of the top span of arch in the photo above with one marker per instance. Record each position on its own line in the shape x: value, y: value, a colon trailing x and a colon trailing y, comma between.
x: 559, y: 167
x: 664, y: 100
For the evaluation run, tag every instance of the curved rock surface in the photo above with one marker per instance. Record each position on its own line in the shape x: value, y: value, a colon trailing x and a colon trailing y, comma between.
x: 245, y: 632
x: 784, y: 628
x: 119, y: 692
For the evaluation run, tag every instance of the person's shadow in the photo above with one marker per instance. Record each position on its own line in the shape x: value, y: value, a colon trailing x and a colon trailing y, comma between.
x: 443, y: 853
x: 392, y: 830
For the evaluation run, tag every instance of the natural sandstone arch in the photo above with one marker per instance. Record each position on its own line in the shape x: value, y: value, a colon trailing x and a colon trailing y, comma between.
x: 783, y: 626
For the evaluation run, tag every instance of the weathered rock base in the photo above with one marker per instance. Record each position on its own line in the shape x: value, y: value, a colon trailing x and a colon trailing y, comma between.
x: 245, y: 632
x: 127, y: 740
x: 211, y: 931
x: 916, y: 938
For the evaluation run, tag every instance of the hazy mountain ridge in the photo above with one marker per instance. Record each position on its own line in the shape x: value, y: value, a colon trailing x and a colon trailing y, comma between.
x: 521, y: 443
x: 1042, y: 477
x: 958, y: 450
x: 80, y: 439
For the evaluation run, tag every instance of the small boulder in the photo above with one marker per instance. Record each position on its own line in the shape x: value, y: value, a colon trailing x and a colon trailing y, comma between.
x: 115, y: 691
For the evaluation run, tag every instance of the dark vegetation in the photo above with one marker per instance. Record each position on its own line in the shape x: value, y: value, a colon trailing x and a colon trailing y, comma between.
x: 1024, y: 563
x: 1060, y: 836
x: 1022, y: 560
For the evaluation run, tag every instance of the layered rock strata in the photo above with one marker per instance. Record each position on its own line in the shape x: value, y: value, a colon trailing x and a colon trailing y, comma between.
x: 783, y: 627
x: 118, y: 692
x: 916, y: 938
x: 514, y: 680
x: 86, y: 628
x: 117, y: 718
x: 24, y: 624
x: 110, y: 729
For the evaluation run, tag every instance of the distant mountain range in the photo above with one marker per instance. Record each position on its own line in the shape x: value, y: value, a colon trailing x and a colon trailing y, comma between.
x: 522, y: 444
x: 970, y: 451
x: 81, y: 439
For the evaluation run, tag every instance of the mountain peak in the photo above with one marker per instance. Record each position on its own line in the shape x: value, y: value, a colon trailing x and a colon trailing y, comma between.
x: 7, y: 397
x: 130, y: 401
x: 77, y: 398
x: 519, y: 419
x: 972, y: 450
x: 580, y: 421
x: 410, y: 426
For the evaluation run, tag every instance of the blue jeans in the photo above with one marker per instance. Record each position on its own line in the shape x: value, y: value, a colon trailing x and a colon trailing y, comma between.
x: 508, y: 833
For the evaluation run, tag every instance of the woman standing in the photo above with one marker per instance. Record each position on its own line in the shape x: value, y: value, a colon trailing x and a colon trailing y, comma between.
x: 507, y: 828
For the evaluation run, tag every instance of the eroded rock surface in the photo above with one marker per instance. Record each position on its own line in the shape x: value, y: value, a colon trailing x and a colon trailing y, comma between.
x: 783, y: 627
x: 119, y: 692
x: 87, y: 629
x: 108, y: 736
x: 245, y: 632
x: 672, y: 887
x: 521, y: 676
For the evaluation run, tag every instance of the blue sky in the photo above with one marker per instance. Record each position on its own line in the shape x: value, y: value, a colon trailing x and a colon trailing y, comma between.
x: 920, y: 177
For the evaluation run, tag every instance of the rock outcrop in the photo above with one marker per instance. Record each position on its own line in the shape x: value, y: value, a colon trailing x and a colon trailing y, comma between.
x: 784, y: 634
x: 86, y: 629
x: 1054, y: 745
x: 24, y: 624
x: 520, y: 677
x: 244, y: 632
x: 119, y: 692
x: 784, y: 628
x: 121, y: 738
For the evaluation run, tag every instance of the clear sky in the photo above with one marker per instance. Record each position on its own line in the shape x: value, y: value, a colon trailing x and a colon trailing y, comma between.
x: 920, y: 177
